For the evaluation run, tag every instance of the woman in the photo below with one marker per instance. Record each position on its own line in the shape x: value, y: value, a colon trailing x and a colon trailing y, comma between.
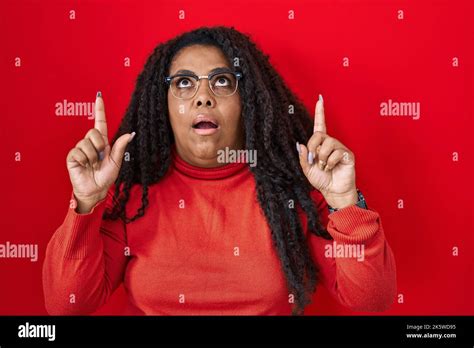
x: 189, y: 233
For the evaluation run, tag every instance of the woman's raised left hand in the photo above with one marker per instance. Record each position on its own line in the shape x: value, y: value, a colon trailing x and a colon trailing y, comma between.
x: 328, y: 164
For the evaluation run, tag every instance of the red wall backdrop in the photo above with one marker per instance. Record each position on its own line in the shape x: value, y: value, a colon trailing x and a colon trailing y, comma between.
x: 423, y: 54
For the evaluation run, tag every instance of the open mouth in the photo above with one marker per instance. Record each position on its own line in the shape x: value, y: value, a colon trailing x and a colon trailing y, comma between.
x: 205, y: 125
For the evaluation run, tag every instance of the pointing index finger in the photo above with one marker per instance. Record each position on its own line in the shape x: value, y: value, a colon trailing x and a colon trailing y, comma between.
x: 319, y: 120
x: 100, y: 121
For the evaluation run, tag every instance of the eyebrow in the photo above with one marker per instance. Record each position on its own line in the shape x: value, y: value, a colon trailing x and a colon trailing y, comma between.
x: 219, y: 69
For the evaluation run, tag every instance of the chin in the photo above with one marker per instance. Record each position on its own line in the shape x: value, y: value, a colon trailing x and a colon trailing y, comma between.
x: 204, y: 150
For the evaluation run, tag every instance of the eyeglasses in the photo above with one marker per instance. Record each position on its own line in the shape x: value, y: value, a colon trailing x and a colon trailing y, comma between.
x: 222, y: 83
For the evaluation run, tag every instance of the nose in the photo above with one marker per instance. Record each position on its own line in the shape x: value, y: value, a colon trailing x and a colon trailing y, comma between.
x: 204, y: 95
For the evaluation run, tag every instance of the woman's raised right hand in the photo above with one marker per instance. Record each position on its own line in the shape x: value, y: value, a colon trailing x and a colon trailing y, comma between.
x: 93, y: 164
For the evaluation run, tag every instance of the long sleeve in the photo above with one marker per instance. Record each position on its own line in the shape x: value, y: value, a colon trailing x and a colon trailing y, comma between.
x: 358, y: 266
x: 85, y: 262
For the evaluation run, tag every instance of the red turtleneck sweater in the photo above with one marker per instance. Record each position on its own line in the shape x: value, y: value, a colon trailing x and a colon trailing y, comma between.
x: 204, y: 248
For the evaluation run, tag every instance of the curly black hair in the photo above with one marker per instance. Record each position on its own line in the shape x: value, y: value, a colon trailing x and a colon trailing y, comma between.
x: 269, y: 128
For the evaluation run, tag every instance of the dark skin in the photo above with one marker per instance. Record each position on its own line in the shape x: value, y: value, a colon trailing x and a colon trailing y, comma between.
x: 196, y: 149
x: 94, y: 164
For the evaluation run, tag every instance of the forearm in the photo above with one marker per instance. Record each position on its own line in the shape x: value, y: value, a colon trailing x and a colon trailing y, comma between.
x: 83, y: 264
x: 366, y: 282
x: 340, y: 201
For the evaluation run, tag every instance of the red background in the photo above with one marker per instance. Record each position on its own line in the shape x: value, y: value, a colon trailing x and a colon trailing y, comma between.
x: 407, y: 60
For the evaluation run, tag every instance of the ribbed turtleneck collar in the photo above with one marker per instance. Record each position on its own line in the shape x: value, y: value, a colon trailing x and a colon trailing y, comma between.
x: 204, y: 173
